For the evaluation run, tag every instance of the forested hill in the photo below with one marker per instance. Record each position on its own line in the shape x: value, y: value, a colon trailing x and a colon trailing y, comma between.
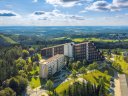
x: 5, y: 40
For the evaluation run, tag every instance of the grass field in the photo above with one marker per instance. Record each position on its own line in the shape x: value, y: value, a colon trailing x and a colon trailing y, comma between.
x: 92, y: 77
x: 78, y: 40
x: 122, y: 63
x: 62, y: 87
x: 35, y: 82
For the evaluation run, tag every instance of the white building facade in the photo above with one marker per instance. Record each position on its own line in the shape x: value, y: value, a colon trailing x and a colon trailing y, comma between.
x: 52, y: 65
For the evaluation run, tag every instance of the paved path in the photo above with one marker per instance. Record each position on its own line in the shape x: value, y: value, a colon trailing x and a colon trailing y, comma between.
x: 117, y: 87
x: 36, y: 92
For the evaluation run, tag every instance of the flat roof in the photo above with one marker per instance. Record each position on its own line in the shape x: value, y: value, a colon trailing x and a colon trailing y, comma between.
x: 53, y: 46
x: 81, y: 43
x: 123, y: 85
x: 64, y: 44
x: 51, y: 59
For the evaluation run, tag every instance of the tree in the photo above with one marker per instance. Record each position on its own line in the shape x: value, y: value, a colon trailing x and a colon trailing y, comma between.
x: 85, y: 62
x: 20, y: 63
x: 74, y: 75
x: 31, y: 51
x: 49, y: 85
x: 14, y: 84
x: 23, y: 82
x: 29, y: 68
x: 93, y: 66
x: 29, y: 61
x: 82, y: 70
x: 22, y: 73
x: 25, y: 54
x: 101, y: 87
x: 18, y: 84
x: 7, y: 92
x: 34, y: 65
x: 106, y: 72
x: 36, y: 57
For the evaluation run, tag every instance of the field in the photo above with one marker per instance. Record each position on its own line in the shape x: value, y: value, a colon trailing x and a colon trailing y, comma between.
x: 78, y: 40
x: 93, y: 39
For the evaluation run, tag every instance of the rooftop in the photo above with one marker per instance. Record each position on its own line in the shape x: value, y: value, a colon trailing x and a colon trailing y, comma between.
x: 53, y: 46
x: 64, y: 44
x: 81, y: 43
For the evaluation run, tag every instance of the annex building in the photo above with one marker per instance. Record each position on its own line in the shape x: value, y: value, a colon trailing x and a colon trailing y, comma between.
x: 52, y: 65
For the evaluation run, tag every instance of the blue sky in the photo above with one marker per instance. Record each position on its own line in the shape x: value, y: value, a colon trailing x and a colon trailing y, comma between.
x: 63, y: 12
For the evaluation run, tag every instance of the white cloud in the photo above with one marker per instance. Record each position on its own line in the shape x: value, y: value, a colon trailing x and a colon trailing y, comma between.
x: 55, y: 15
x: 121, y: 3
x: 67, y: 3
x: 98, y: 6
x: 35, y: 1
x: 83, y: 11
x: 57, y: 18
x: 102, y: 6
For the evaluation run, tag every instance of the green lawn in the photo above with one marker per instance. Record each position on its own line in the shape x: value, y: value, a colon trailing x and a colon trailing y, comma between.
x: 34, y: 78
x: 35, y: 82
x: 62, y: 87
x: 94, y: 77
x: 124, y: 66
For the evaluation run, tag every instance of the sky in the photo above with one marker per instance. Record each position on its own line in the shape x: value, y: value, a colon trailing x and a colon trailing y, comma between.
x: 63, y: 12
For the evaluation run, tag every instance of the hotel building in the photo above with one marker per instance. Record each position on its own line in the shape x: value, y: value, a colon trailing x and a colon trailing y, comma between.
x: 56, y: 55
x: 86, y: 50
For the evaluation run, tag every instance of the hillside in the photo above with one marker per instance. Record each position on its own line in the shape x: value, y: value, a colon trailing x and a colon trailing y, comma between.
x: 5, y: 40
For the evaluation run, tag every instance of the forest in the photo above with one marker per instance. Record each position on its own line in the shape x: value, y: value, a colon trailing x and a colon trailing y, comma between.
x: 19, y: 56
